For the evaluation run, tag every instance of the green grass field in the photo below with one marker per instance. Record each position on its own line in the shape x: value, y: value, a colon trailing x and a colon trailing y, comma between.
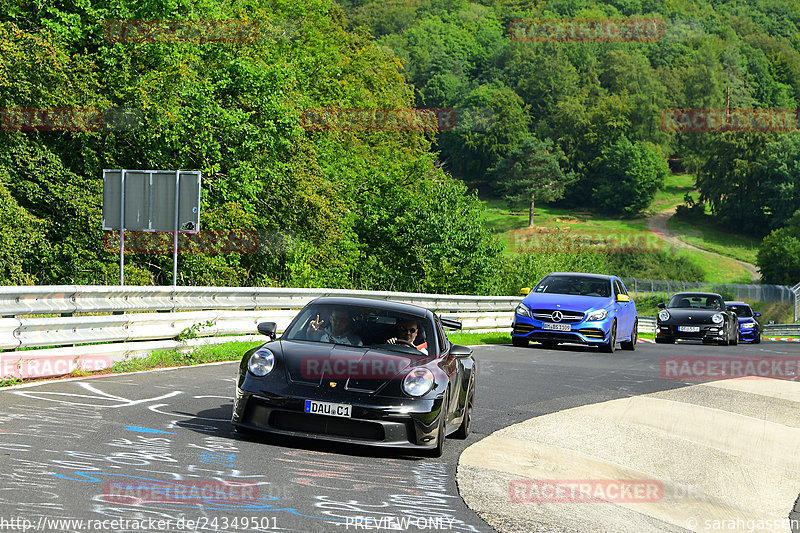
x: 715, y: 240
x: 570, y: 225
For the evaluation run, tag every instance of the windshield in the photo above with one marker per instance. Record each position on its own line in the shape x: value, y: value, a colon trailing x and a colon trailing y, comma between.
x: 576, y: 285
x: 361, y: 327
x: 696, y: 301
x: 741, y: 310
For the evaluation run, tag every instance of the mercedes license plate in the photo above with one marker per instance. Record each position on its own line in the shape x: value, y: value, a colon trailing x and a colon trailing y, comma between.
x: 327, y: 408
x: 557, y: 327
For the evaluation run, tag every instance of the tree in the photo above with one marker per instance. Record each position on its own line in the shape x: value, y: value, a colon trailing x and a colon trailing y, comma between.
x: 530, y: 169
x: 778, y: 256
x: 628, y: 176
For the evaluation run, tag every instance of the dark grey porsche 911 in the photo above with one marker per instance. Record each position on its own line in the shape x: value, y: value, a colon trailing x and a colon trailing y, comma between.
x: 361, y: 371
x: 699, y: 316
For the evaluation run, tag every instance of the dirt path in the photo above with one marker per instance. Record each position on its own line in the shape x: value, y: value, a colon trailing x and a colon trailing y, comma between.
x: 657, y: 224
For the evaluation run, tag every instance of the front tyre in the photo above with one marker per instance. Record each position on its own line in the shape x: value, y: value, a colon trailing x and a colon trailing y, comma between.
x: 438, y: 450
x: 631, y: 344
x: 611, y: 345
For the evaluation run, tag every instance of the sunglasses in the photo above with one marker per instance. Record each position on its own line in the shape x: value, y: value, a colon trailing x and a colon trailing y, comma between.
x: 410, y: 330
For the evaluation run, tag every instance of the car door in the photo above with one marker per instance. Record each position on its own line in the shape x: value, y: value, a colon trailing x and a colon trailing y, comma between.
x: 452, y: 366
x: 624, y: 311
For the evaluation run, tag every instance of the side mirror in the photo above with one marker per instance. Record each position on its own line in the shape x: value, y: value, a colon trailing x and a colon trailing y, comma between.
x: 524, y: 291
x: 459, y: 352
x: 661, y: 306
x: 268, y: 329
x: 757, y: 314
x: 623, y: 298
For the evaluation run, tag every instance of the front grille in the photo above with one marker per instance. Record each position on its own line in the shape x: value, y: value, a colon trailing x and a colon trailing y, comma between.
x: 547, y: 315
x: 326, y: 425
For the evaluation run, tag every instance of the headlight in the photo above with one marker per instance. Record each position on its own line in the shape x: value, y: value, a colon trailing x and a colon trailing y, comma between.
x: 522, y: 310
x: 718, y: 318
x: 418, y: 382
x: 597, y: 315
x: 748, y: 325
x: 663, y: 315
x: 261, y: 362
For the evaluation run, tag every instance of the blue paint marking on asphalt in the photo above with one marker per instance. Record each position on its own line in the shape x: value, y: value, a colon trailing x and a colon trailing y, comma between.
x: 140, y: 429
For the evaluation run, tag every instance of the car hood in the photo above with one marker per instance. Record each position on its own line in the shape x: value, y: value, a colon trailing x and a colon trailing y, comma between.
x: 699, y: 316
x: 746, y: 319
x: 566, y: 302
x: 355, y: 368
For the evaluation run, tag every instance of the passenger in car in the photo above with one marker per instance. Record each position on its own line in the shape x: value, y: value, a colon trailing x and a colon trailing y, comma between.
x: 407, y: 331
x: 340, y: 330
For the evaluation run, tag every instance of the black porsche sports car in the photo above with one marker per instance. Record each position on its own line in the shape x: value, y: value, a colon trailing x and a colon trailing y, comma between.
x: 699, y: 316
x: 361, y: 371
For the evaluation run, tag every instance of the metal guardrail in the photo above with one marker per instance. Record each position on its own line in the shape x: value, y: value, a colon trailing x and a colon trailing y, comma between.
x: 792, y: 330
x: 647, y: 324
x: 737, y: 291
x: 71, y: 299
x: 139, y: 320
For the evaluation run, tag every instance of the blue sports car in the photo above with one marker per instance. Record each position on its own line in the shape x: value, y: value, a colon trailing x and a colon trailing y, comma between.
x: 749, y: 329
x: 590, y: 309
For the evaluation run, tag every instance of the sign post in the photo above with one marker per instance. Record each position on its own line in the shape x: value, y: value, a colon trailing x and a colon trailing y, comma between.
x: 151, y: 200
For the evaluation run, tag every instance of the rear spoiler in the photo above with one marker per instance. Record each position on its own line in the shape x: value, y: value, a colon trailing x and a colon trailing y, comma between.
x: 450, y: 323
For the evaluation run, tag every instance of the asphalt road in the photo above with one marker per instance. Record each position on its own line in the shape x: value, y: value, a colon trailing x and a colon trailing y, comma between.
x: 155, y: 451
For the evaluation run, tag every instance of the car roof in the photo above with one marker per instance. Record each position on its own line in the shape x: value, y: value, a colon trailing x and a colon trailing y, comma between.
x: 698, y: 294
x: 737, y: 303
x: 388, y: 305
x: 584, y: 274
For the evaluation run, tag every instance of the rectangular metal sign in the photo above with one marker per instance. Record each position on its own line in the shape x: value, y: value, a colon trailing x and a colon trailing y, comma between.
x: 148, y: 201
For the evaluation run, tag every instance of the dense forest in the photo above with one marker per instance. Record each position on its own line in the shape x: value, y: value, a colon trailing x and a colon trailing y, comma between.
x: 574, y: 122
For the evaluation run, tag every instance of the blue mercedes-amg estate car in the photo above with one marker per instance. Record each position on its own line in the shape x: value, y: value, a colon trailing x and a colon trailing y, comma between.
x: 749, y: 328
x: 570, y: 307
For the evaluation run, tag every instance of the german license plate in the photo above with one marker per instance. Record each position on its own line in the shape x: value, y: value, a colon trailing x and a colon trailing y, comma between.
x: 557, y: 327
x: 689, y: 329
x: 327, y: 408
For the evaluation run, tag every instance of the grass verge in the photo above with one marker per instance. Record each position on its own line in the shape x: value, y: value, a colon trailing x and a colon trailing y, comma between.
x: 212, y: 353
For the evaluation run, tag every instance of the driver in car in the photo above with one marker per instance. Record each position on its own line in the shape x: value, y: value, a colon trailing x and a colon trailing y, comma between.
x: 405, y: 333
x: 339, y: 331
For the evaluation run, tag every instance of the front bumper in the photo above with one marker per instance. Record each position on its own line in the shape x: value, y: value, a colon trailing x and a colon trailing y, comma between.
x: 591, y: 333
x: 748, y: 334
x: 706, y: 333
x: 375, y: 420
